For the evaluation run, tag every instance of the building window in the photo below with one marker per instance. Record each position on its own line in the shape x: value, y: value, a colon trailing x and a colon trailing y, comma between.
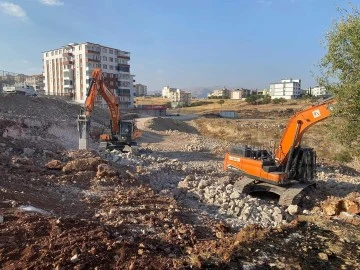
x: 47, y: 54
x: 116, y: 60
x: 111, y: 67
x: 104, y: 50
x: 104, y: 58
x: 111, y: 51
x: 111, y: 59
x: 104, y: 66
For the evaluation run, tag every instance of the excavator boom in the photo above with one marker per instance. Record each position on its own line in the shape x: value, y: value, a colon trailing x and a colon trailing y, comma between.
x: 122, y: 132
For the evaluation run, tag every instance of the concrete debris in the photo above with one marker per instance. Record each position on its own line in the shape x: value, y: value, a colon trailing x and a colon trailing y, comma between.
x: 293, y: 209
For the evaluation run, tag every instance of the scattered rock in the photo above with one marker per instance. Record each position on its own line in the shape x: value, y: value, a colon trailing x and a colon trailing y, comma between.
x: 104, y: 170
x: 323, y: 256
x: 293, y: 209
x: 54, y: 165
x: 1, y: 219
x: 74, y: 258
x: 83, y: 164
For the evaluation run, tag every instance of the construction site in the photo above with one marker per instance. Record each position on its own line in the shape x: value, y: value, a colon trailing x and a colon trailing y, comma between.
x: 169, y: 204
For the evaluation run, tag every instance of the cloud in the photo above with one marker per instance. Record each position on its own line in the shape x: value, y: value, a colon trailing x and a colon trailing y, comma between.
x: 52, y: 2
x: 13, y: 10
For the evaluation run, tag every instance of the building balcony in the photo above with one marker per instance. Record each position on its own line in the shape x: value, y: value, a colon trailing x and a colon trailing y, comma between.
x: 68, y: 62
x: 68, y: 54
x: 127, y: 57
x: 92, y: 51
x: 92, y: 60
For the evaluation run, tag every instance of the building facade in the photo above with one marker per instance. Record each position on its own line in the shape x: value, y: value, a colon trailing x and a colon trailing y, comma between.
x: 287, y: 89
x: 180, y: 98
x: 68, y: 70
x: 240, y: 93
x: 220, y: 93
x: 37, y: 82
x: 318, y: 91
x: 140, y: 90
x: 166, y: 91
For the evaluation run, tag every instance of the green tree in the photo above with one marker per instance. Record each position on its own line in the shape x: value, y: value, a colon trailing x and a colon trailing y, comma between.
x: 340, y: 74
x: 221, y: 102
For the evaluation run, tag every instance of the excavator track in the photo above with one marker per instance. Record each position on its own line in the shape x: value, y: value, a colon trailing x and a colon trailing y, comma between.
x: 288, y: 195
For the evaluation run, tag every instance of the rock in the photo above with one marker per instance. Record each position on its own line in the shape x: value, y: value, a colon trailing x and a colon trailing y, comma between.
x: 21, y: 162
x: 54, y: 165
x: 293, y: 209
x: 351, y: 206
x: 1, y: 219
x: 74, y: 258
x: 202, y: 184
x: 83, y: 164
x: 2, y: 144
x: 140, y: 251
x: 28, y: 152
x: 104, y: 170
x: 48, y: 153
x: 235, y: 195
x: 323, y: 256
x: 331, y: 207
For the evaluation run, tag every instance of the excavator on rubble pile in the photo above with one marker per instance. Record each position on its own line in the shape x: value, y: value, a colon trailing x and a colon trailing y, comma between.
x: 122, y: 133
x: 291, y: 169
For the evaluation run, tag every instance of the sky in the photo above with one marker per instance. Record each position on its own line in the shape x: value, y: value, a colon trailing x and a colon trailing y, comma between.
x: 183, y: 44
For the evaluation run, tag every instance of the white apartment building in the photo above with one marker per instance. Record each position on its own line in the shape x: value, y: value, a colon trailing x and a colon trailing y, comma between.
x: 180, y: 98
x: 68, y: 70
x: 318, y: 91
x: 220, y: 93
x: 140, y: 90
x: 165, y: 93
x: 240, y: 93
x: 288, y: 89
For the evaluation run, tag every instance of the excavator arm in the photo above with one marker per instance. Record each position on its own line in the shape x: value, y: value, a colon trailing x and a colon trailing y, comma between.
x: 297, y: 126
x: 98, y: 86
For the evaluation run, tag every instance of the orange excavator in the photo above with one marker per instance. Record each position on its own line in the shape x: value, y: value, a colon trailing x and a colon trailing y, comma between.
x: 291, y: 169
x: 122, y: 133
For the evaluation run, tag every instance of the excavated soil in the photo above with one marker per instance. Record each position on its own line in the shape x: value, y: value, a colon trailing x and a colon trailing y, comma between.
x: 64, y: 209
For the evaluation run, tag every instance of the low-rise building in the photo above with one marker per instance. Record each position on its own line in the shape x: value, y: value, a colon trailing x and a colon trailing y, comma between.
x: 37, y: 82
x: 264, y: 92
x: 287, y: 89
x: 180, y: 98
x: 220, y: 93
x: 318, y: 91
x: 240, y: 93
x: 166, y: 91
x: 140, y: 90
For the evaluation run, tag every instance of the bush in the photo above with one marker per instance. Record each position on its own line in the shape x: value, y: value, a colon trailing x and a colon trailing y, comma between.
x: 278, y: 100
x: 344, y: 156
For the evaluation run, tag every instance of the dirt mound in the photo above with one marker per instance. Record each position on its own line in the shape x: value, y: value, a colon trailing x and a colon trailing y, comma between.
x: 44, y: 108
x: 164, y: 124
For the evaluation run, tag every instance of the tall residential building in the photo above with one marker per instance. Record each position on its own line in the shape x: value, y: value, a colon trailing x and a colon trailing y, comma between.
x: 140, y: 90
x: 165, y: 93
x: 288, y: 89
x: 180, y: 98
x: 68, y: 70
